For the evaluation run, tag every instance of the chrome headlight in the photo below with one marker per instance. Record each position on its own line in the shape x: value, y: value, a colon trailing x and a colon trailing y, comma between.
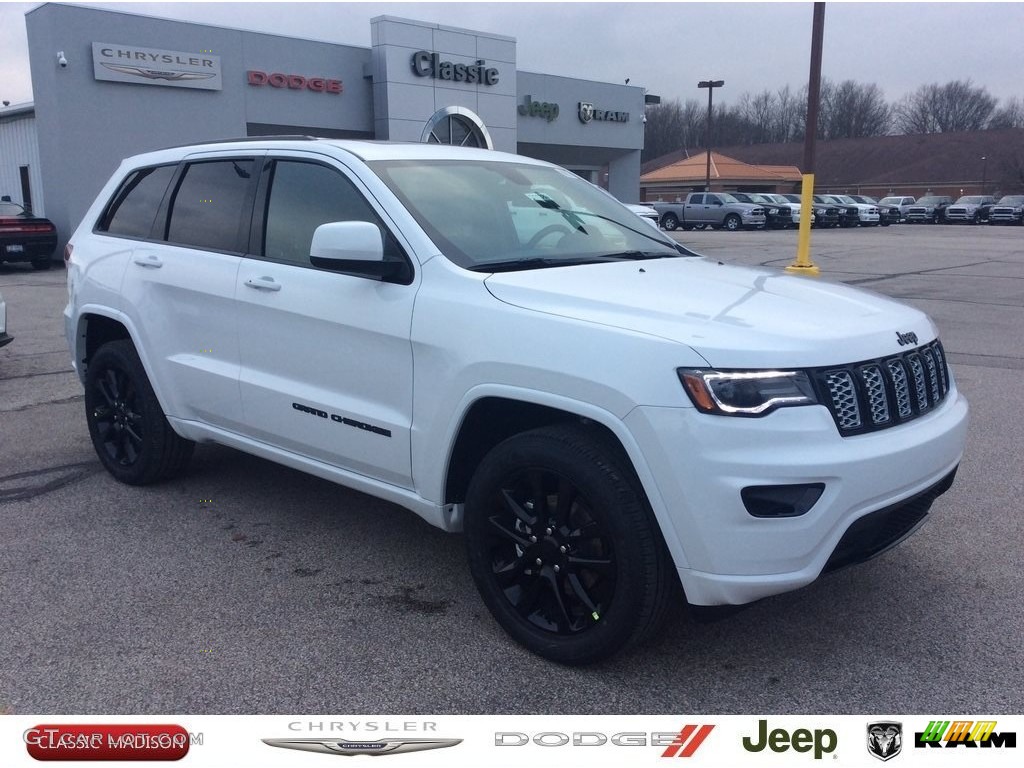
x: 746, y: 393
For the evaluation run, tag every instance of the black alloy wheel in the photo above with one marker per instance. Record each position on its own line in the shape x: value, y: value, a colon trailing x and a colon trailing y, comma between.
x: 563, y: 547
x: 129, y: 431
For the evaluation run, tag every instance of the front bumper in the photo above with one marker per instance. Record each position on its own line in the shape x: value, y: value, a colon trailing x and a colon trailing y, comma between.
x: 701, y: 463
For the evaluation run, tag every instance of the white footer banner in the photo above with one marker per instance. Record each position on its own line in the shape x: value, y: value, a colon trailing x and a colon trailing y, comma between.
x: 513, y: 741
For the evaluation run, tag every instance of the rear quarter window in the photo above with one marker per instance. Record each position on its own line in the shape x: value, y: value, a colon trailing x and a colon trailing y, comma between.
x: 133, y: 208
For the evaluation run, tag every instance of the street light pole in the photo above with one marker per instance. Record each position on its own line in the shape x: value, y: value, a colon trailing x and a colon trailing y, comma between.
x: 710, y: 85
x: 984, y: 172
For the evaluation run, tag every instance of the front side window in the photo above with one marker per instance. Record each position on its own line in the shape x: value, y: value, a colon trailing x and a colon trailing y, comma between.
x: 134, y: 206
x: 497, y: 215
x: 302, y: 197
x: 208, y: 205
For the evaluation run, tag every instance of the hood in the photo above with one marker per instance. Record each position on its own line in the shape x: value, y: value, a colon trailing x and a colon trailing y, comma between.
x: 736, y: 317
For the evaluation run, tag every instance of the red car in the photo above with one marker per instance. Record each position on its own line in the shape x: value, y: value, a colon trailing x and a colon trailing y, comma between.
x: 24, y: 237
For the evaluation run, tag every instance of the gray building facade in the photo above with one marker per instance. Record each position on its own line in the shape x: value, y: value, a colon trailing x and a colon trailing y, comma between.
x: 109, y: 84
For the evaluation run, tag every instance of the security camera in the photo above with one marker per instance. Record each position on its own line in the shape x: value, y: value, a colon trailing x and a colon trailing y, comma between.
x: 61, y: 60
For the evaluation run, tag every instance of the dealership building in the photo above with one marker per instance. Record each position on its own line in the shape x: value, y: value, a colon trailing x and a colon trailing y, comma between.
x: 107, y: 85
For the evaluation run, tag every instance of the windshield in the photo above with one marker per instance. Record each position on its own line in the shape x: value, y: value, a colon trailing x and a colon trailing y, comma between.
x: 1012, y: 200
x: 505, y: 216
x: 892, y: 201
x: 975, y: 199
x: 929, y: 201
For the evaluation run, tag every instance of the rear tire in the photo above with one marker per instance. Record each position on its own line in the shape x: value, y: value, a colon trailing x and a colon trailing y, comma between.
x: 670, y: 221
x: 129, y: 431
x: 563, y: 496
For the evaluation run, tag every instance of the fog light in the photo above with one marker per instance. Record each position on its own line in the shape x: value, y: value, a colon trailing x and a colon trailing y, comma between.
x: 781, y: 500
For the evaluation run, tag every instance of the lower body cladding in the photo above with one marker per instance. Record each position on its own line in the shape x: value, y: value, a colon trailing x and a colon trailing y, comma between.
x: 757, y: 507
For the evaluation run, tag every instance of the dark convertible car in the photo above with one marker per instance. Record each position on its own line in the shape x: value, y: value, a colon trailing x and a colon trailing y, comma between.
x: 24, y: 237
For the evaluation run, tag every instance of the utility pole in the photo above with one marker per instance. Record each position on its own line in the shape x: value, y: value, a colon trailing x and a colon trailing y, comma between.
x: 710, y: 85
x: 803, y: 264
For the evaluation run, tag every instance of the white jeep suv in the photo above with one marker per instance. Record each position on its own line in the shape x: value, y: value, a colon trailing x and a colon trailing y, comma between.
x: 506, y: 351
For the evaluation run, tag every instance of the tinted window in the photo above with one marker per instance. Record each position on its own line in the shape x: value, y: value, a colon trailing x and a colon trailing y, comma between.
x: 207, y: 207
x: 134, y: 207
x: 302, y: 197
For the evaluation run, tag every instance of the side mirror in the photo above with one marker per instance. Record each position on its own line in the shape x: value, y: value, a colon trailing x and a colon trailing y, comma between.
x: 354, y: 247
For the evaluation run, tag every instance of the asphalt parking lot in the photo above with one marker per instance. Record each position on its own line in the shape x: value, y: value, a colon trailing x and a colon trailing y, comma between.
x: 245, y: 587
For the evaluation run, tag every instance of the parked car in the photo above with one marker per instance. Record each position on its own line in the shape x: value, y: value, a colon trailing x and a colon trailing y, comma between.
x: 776, y: 216
x: 5, y: 338
x: 794, y: 208
x: 605, y: 417
x: 1009, y: 210
x: 645, y: 212
x: 866, y: 214
x: 849, y: 216
x: 970, y: 209
x: 826, y: 215
x: 887, y: 214
x: 24, y: 237
x: 718, y: 210
x: 930, y: 209
x: 903, y: 202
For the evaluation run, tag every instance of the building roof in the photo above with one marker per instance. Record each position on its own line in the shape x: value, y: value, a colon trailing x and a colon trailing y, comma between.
x: 723, y: 168
x: 894, y: 161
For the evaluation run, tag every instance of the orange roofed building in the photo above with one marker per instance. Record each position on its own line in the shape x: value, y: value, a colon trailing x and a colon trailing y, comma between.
x: 728, y: 174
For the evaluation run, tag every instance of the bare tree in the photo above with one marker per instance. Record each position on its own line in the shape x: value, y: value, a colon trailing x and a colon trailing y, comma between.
x: 955, y: 106
x: 1009, y: 115
x: 850, y: 110
x: 673, y: 125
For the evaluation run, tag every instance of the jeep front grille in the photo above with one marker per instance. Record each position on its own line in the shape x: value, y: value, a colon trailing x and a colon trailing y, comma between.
x: 877, y: 394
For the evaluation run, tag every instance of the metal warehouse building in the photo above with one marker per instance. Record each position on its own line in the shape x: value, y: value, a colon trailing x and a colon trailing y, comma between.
x: 109, y: 84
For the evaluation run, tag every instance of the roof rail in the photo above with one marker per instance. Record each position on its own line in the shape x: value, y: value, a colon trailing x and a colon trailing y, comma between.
x: 284, y: 137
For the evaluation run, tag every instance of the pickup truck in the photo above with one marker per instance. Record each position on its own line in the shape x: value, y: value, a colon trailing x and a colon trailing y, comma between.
x: 929, y: 209
x: 970, y: 209
x: 1009, y: 210
x: 718, y: 210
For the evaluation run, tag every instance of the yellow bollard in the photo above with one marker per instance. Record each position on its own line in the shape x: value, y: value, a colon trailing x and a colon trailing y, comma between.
x: 803, y: 264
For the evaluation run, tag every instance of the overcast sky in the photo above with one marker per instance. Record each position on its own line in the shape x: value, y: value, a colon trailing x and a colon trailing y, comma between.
x: 664, y: 47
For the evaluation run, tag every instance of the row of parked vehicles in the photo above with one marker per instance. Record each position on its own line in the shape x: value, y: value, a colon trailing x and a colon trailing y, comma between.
x: 754, y: 210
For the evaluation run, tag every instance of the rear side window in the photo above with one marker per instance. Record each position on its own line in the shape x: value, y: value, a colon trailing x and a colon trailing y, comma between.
x: 134, y: 206
x: 208, y: 205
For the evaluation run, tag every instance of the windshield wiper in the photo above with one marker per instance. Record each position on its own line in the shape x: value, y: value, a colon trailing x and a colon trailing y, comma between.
x: 513, y: 265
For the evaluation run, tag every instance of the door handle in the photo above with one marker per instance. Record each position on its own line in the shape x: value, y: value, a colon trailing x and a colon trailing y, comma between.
x: 263, y: 283
x: 152, y: 261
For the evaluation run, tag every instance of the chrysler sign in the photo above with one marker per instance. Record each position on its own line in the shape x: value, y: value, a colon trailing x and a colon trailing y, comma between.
x: 152, y: 66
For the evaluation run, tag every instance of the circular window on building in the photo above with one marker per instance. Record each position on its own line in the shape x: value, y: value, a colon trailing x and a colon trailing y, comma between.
x: 457, y: 126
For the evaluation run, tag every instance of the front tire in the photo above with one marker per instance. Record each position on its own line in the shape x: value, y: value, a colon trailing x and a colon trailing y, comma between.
x: 129, y: 431
x: 732, y: 222
x: 563, y: 547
